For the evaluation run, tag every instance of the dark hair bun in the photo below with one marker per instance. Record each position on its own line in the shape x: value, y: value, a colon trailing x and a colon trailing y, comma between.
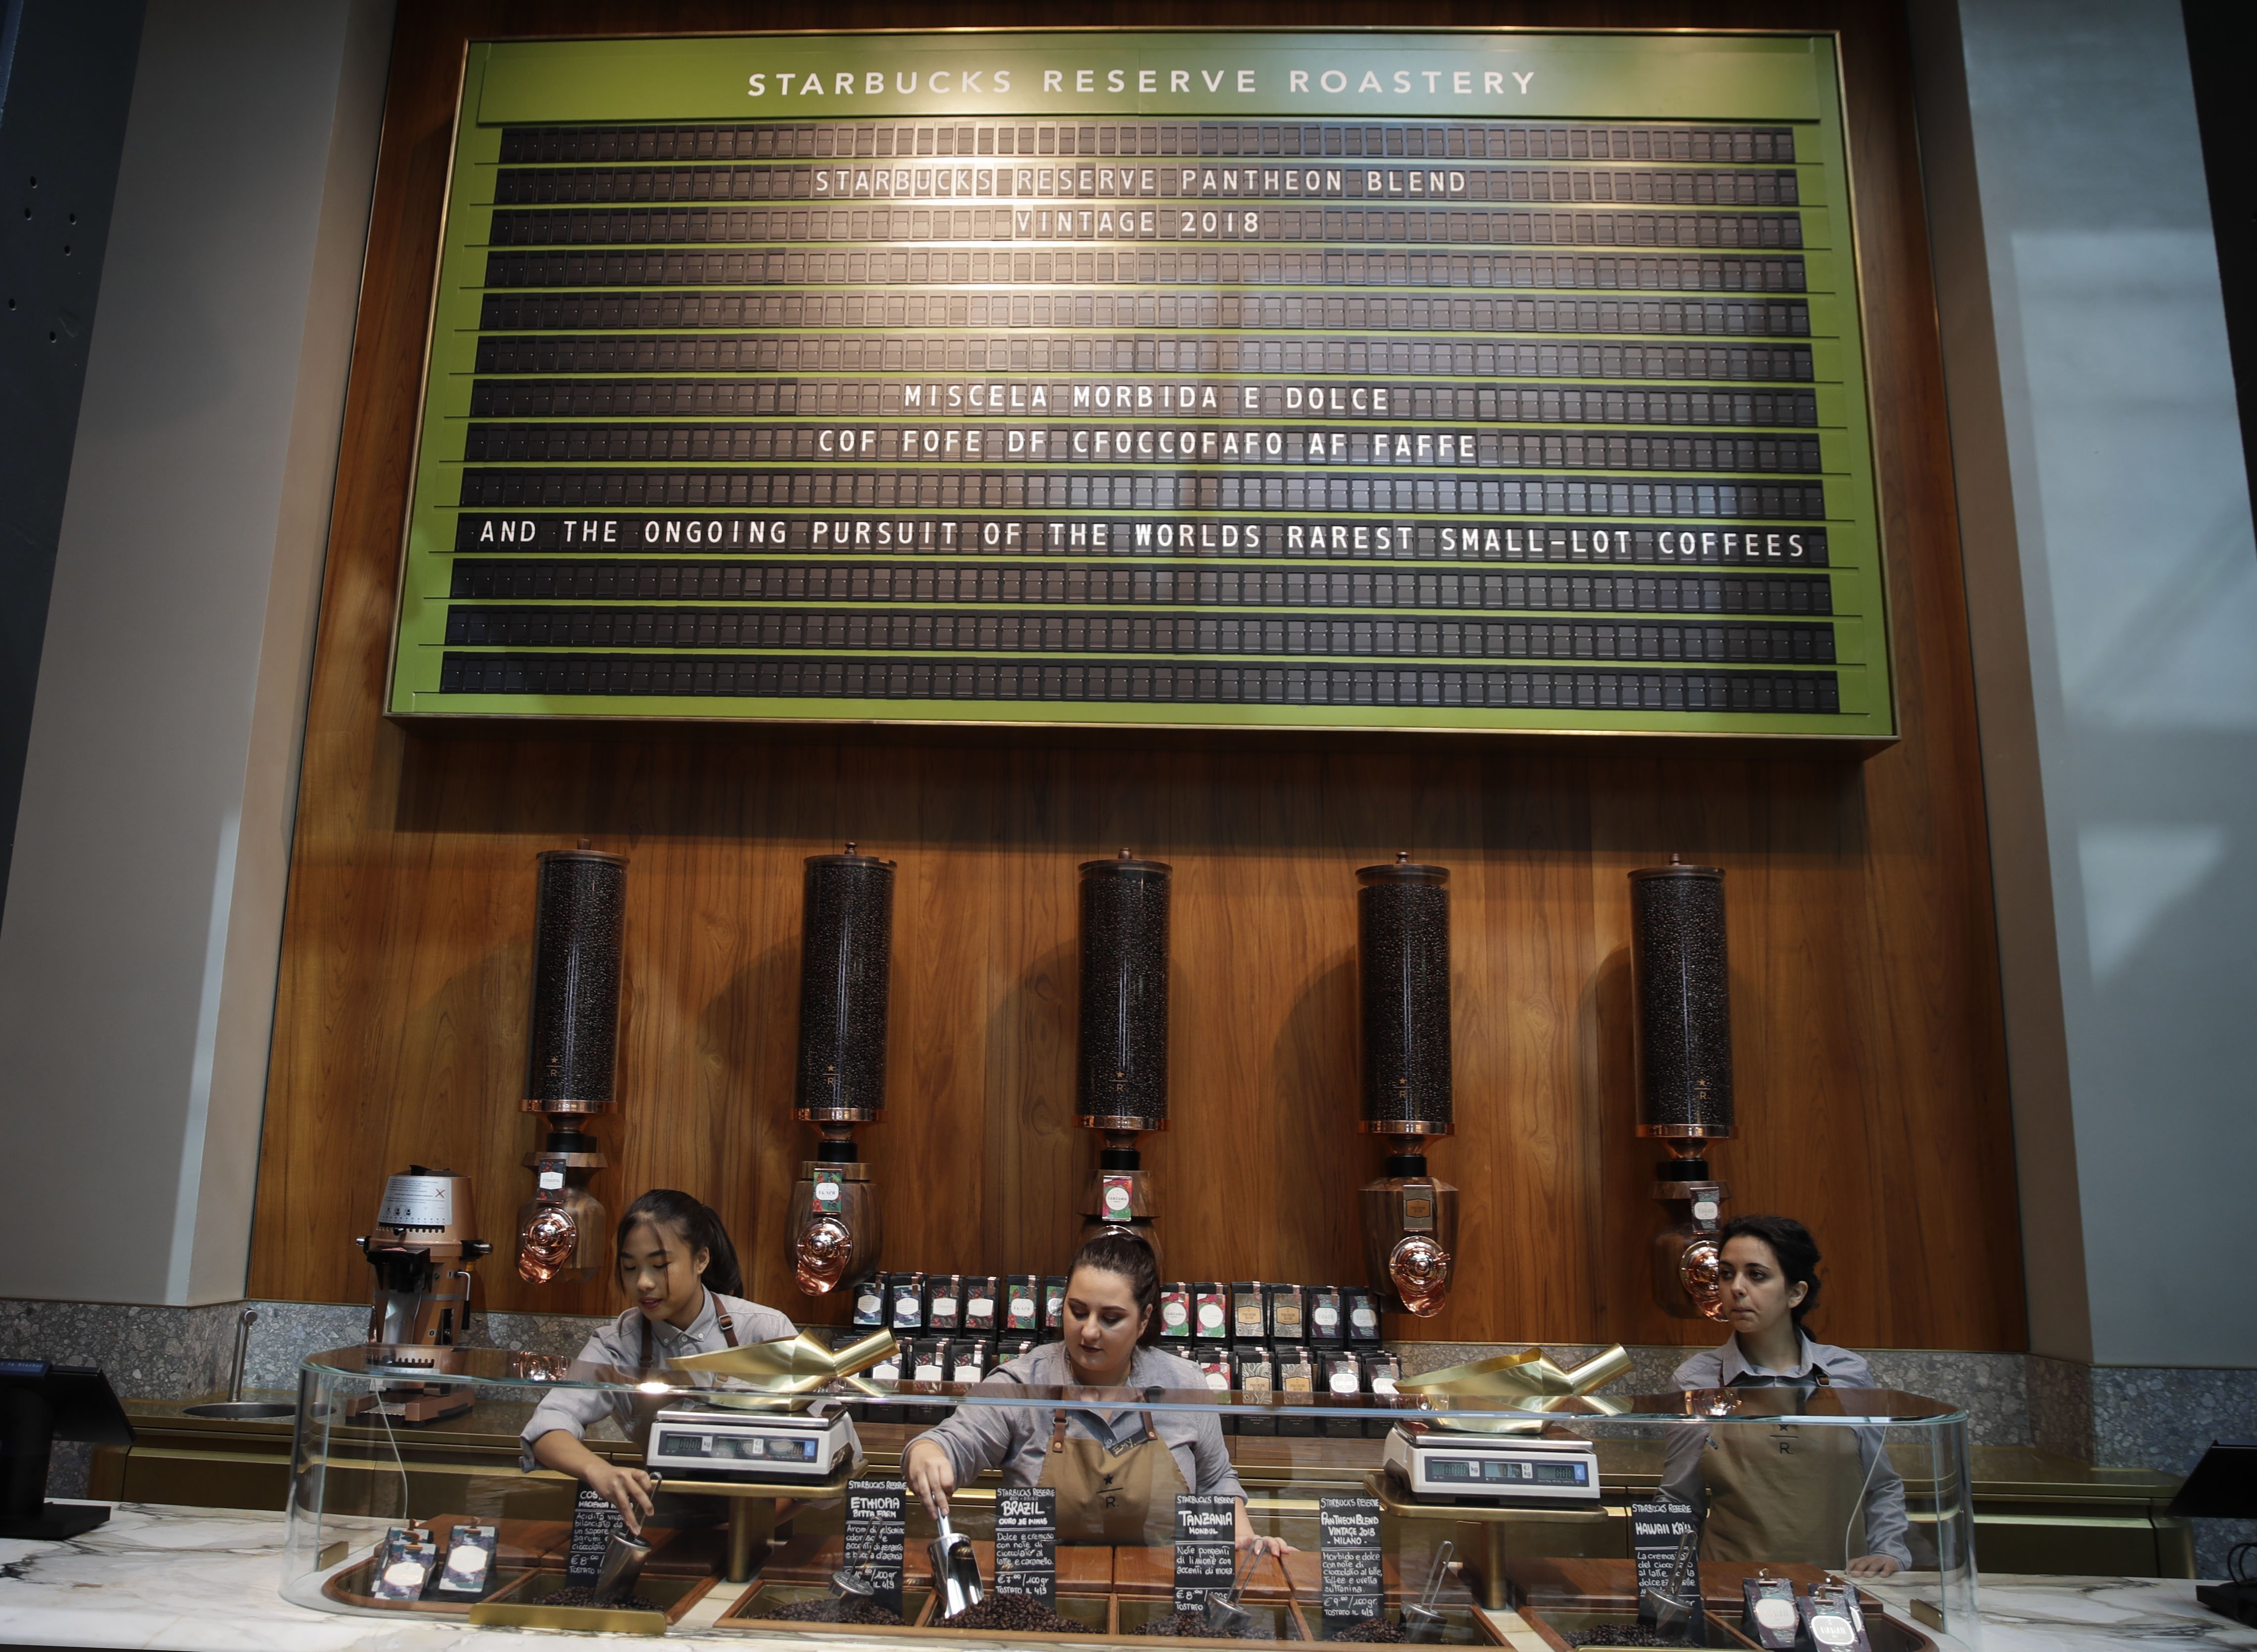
x: 1116, y: 1251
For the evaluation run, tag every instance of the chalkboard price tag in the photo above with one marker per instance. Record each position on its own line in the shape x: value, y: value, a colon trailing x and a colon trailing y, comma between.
x: 595, y: 1522
x: 1657, y: 1530
x: 1026, y: 1542
x: 1348, y: 1530
x: 1206, y: 1552
x: 875, y: 1528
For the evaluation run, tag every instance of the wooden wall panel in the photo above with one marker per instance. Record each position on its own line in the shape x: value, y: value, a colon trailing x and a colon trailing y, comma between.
x: 1870, y: 1064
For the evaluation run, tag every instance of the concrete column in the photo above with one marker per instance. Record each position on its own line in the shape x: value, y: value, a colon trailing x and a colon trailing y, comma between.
x: 2112, y: 584
x: 138, y: 948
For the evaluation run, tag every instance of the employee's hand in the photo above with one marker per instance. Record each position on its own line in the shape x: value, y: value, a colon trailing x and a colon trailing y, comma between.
x: 931, y: 1475
x: 626, y: 1489
x: 1872, y: 1566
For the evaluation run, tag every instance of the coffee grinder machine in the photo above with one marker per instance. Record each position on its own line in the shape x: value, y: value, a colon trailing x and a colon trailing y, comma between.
x: 1403, y: 972
x: 844, y: 973
x: 571, y: 1058
x: 1120, y: 1081
x: 1680, y: 981
x: 419, y: 1252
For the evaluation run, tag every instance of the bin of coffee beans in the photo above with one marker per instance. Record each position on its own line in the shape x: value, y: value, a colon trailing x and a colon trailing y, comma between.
x: 850, y: 1609
x: 1016, y: 1614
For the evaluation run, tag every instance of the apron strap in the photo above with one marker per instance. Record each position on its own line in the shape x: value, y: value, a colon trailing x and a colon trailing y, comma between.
x: 1150, y: 1433
x: 728, y: 1332
x: 1057, y: 1431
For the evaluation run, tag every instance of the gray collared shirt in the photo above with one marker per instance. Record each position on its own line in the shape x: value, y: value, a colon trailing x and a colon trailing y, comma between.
x: 1015, y: 1439
x: 617, y: 1347
x: 1725, y: 1366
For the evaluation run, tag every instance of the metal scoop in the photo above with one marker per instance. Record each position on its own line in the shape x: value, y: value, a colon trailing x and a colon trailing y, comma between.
x: 955, y: 1569
x: 1671, y: 1613
x: 1223, y: 1613
x: 1421, y: 1621
x: 622, y: 1568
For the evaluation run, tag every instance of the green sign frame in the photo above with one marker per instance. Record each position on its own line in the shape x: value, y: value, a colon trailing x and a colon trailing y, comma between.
x: 1228, y: 80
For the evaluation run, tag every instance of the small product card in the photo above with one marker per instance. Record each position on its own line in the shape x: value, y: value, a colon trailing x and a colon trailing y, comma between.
x: 1026, y: 1542
x: 403, y: 1564
x: 1348, y: 1529
x: 1176, y: 1312
x: 1206, y: 1553
x: 1661, y: 1531
x: 875, y: 1528
x: 1832, y: 1620
x: 468, y: 1573
x: 595, y: 1522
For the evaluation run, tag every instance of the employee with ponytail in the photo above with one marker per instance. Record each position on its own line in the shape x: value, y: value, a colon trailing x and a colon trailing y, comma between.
x: 1820, y: 1493
x: 678, y: 1268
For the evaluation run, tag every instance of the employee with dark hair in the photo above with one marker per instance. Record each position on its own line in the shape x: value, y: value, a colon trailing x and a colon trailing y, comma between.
x: 1116, y: 1471
x: 677, y: 1266
x: 1823, y: 1494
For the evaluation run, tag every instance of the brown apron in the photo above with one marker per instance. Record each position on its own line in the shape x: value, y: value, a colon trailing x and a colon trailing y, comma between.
x: 1783, y: 1492
x: 1118, y: 1494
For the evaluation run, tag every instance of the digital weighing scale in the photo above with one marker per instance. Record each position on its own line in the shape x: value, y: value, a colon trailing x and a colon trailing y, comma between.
x: 701, y: 1442
x: 1436, y: 1465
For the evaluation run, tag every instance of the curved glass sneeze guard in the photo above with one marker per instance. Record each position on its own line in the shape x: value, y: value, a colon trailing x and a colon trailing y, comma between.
x: 427, y: 1441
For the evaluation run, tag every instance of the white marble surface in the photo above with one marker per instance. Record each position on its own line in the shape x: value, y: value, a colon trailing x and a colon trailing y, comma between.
x: 2081, y: 1614
x: 209, y: 1580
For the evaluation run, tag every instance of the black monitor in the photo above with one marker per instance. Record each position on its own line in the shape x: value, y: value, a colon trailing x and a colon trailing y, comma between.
x: 2223, y: 1485
x: 39, y: 1404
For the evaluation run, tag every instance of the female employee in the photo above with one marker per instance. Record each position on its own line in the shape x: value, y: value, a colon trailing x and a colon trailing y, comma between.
x: 1824, y: 1495
x: 1116, y: 1471
x: 676, y: 1263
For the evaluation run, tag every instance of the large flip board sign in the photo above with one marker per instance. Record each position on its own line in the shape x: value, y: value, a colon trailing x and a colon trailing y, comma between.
x: 1454, y: 379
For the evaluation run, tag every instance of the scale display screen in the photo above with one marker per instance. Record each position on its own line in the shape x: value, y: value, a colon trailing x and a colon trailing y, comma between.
x: 1454, y: 379
x: 1491, y: 1470
x: 738, y: 1448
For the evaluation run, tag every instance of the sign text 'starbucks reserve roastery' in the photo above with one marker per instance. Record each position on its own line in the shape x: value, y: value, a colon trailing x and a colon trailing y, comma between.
x: 1480, y: 380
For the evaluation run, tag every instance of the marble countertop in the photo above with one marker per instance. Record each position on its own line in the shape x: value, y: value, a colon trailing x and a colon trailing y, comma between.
x: 208, y: 1580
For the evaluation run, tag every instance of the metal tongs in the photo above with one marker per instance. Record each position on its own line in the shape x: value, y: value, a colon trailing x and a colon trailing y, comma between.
x: 1672, y: 1613
x: 1224, y: 1614
x: 955, y: 1569
x: 1422, y: 1622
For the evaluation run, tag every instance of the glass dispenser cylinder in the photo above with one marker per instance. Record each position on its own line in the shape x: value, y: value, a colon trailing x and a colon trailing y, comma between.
x: 1122, y: 1079
x: 571, y: 1059
x: 1403, y: 968
x: 845, y: 972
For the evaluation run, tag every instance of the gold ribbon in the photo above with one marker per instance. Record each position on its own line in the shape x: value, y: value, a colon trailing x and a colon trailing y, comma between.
x: 762, y: 1374
x: 1528, y: 1380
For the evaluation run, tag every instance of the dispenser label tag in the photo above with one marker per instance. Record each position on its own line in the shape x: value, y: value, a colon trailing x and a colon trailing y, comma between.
x: 1704, y: 1210
x: 875, y: 1528
x: 826, y: 1194
x: 1347, y: 1528
x: 1120, y: 1196
x: 595, y: 1522
x: 1206, y: 1551
x: 1026, y: 1542
x: 551, y: 1180
x: 1656, y: 1531
x: 416, y: 1202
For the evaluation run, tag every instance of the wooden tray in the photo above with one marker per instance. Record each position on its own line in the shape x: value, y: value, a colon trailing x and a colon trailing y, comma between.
x: 918, y: 1607
x: 522, y: 1604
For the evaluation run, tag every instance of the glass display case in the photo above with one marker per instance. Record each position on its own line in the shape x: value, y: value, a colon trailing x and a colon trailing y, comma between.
x: 1429, y: 1516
